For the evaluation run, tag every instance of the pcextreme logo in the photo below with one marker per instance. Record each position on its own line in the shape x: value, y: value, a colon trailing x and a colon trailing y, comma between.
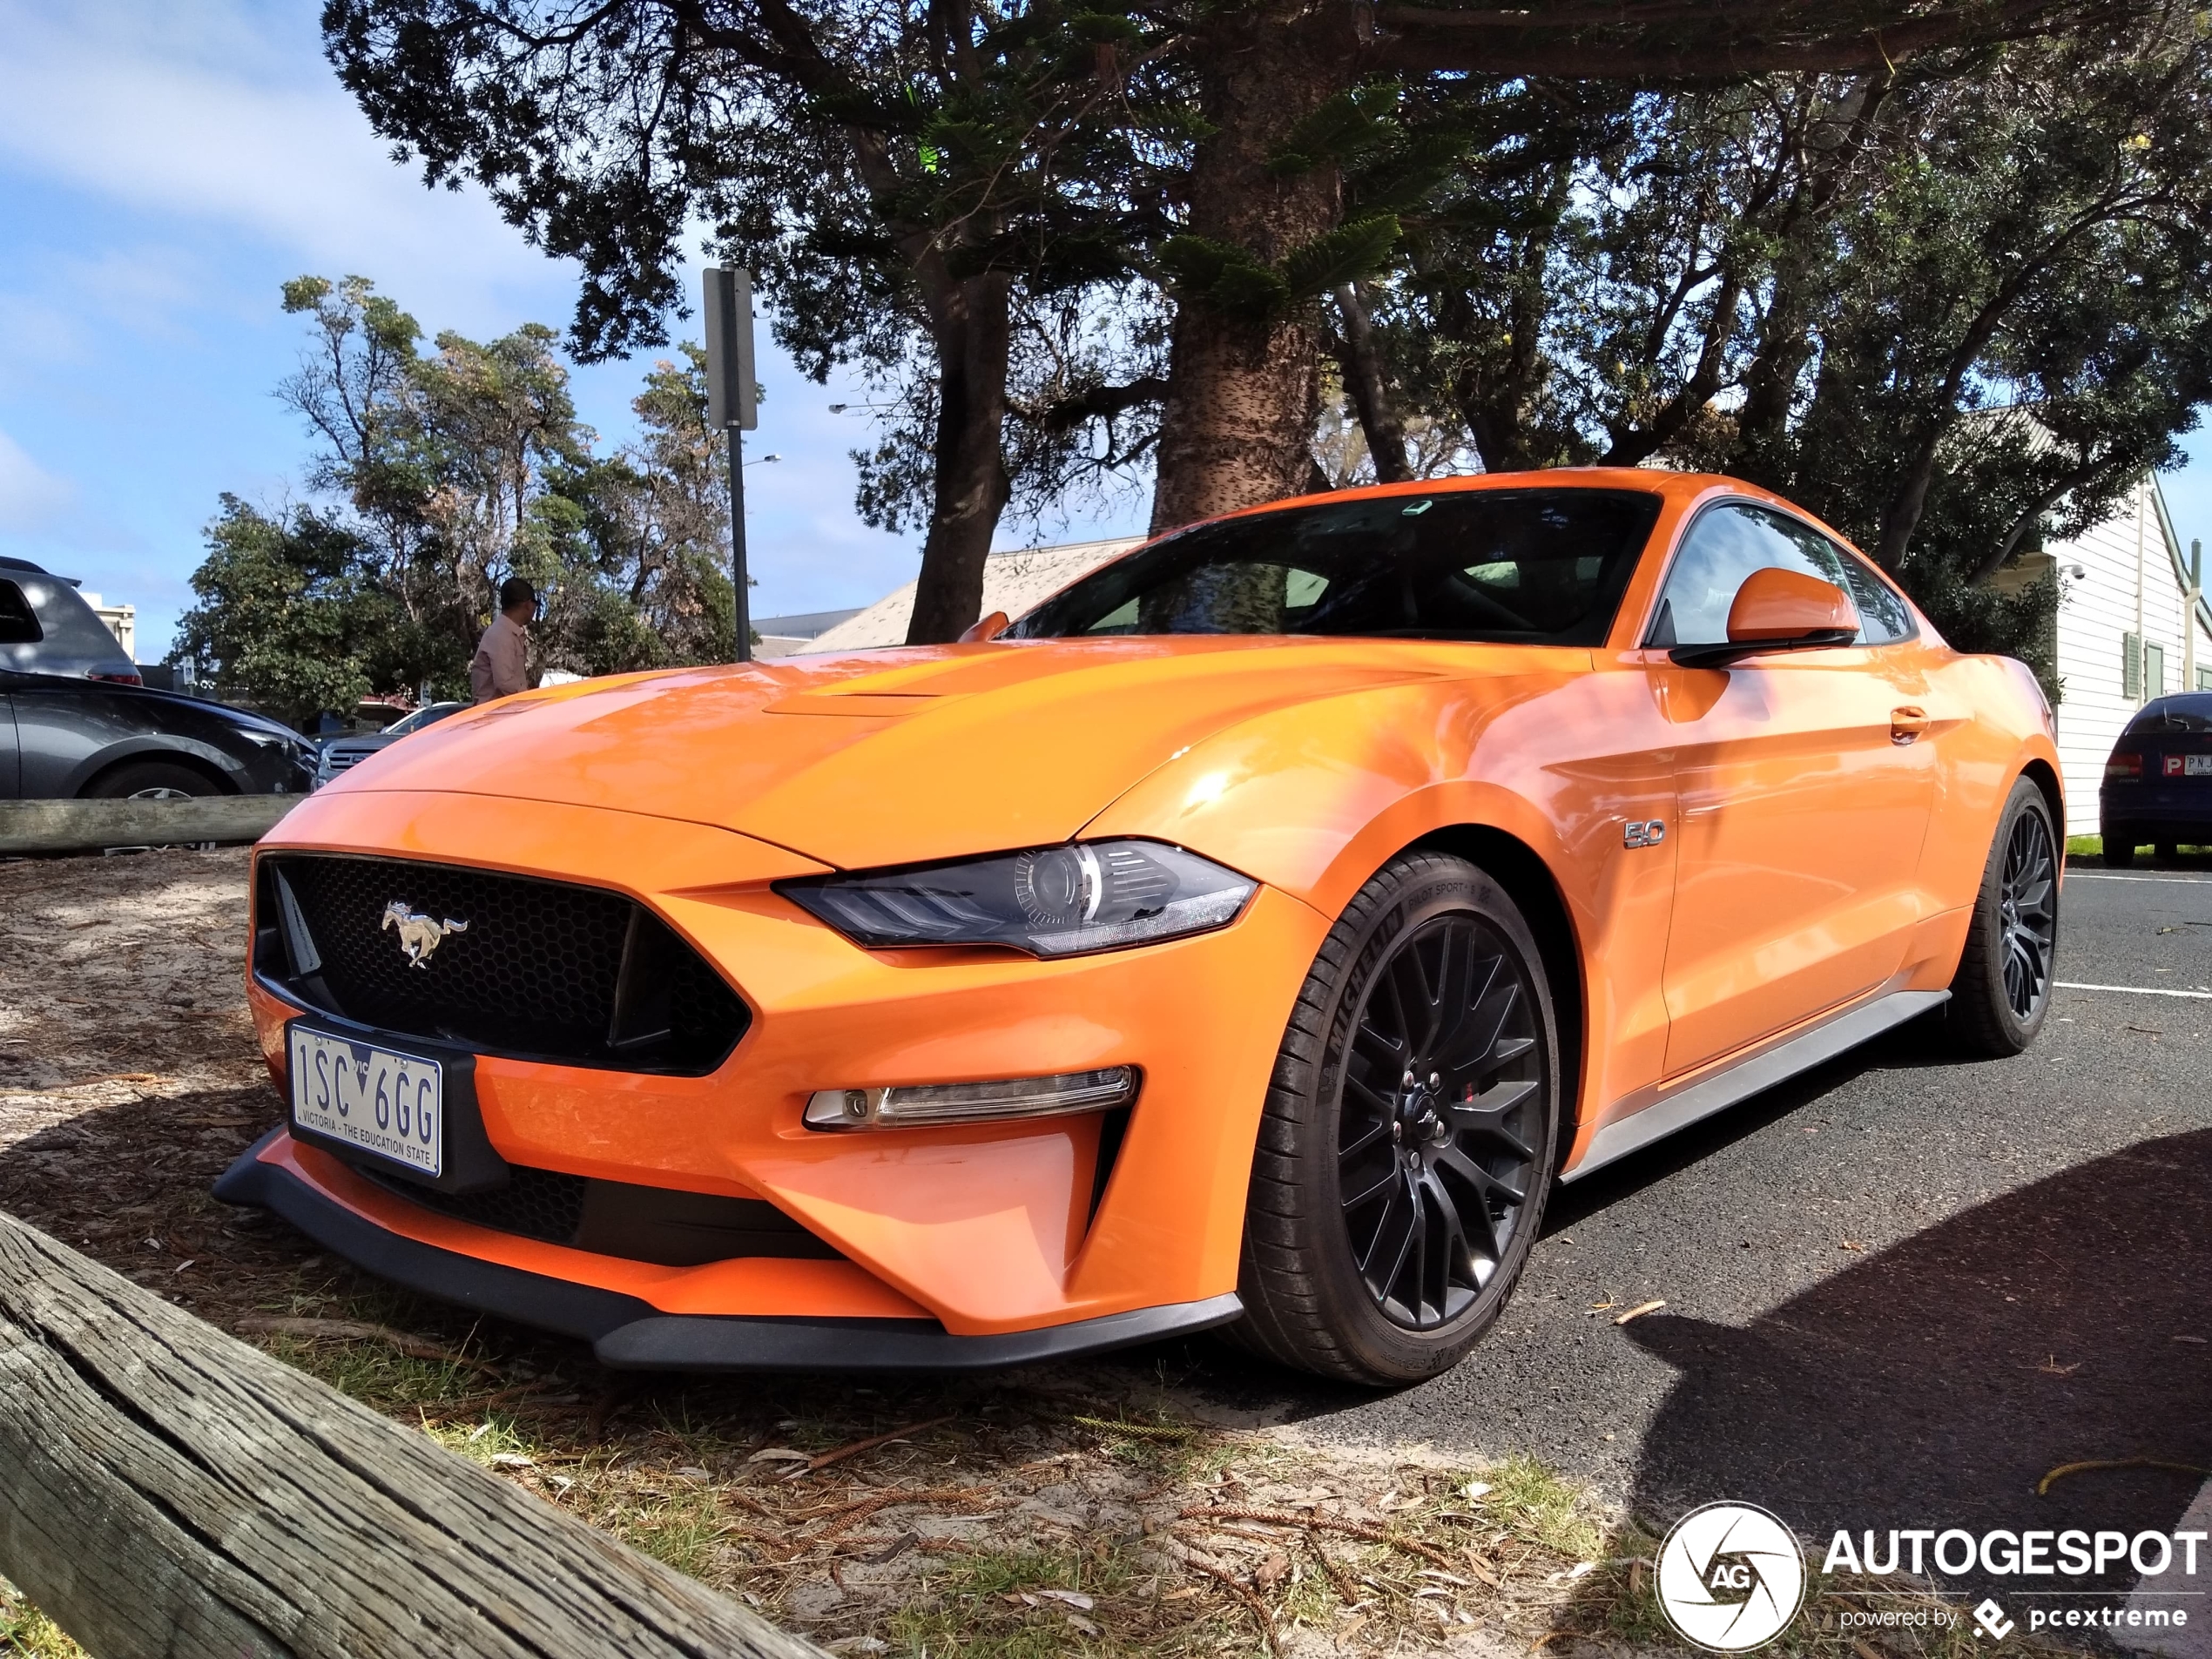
x: 1732, y: 1577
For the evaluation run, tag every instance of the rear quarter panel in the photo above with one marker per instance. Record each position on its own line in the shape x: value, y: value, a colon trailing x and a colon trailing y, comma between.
x: 1993, y: 726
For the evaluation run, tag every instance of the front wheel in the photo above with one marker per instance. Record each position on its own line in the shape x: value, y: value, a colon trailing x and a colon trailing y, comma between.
x: 1407, y: 1143
x: 2002, y: 991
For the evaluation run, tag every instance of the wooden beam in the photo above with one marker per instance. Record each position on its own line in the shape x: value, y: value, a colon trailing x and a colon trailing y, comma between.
x: 87, y: 826
x: 167, y: 1492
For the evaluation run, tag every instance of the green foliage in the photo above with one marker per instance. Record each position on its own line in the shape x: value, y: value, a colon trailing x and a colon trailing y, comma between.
x: 283, y: 620
x: 1955, y: 309
x: 442, y: 474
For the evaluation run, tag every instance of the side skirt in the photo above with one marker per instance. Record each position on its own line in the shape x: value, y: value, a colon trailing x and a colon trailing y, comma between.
x: 1750, y: 1077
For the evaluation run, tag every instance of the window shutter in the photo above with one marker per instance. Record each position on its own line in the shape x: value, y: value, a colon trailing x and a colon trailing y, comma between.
x: 2154, y: 672
x: 2131, y: 666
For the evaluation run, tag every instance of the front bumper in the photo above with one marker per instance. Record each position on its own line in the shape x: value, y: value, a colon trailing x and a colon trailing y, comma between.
x: 628, y: 1333
x: 1016, y: 1230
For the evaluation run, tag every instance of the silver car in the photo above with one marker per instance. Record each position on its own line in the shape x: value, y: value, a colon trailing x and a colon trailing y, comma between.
x: 342, y: 754
x: 46, y: 628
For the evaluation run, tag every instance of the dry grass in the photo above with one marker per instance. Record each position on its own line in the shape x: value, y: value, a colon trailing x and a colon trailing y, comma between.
x: 25, y: 1633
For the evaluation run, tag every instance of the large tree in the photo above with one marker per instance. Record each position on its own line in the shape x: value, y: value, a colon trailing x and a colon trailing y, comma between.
x: 914, y: 185
x: 1241, y: 379
x: 1951, y: 307
x: 437, y: 475
x: 905, y: 171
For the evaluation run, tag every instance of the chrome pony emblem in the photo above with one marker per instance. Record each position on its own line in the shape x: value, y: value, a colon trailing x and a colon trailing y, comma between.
x: 419, y: 935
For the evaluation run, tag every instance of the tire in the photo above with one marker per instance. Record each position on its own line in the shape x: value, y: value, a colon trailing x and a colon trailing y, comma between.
x: 150, y: 780
x: 2167, y: 852
x: 1379, y: 1291
x: 2002, y: 991
x: 2119, y: 846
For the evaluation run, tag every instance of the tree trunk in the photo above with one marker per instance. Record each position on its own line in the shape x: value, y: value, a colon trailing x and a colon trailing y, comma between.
x: 973, y: 326
x: 1367, y: 381
x: 1242, y: 396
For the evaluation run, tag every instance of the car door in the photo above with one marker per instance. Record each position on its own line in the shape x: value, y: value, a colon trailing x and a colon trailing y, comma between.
x: 1804, y: 794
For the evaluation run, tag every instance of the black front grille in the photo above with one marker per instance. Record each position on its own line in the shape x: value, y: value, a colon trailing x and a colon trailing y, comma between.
x: 506, y: 964
x: 639, y: 1223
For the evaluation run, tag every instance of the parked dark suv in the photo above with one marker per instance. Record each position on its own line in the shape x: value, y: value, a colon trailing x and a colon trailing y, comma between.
x: 46, y: 628
x: 63, y: 735
x: 2158, y: 783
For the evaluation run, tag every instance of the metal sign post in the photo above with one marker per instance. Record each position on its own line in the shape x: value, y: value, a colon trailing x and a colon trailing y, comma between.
x: 731, y: 407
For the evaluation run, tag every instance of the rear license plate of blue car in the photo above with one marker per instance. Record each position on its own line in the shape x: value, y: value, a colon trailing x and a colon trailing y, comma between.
x: 389, y: 1105
x: 2197, y: 766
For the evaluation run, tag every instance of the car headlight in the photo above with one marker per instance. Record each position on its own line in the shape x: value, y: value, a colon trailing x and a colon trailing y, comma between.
x: 1050, y: 900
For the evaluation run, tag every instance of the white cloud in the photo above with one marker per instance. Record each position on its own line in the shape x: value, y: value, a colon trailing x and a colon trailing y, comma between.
x: 30, y: 497
x: 228, y: 115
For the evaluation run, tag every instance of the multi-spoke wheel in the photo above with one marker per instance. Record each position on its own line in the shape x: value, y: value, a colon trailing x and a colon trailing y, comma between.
x: 1409, y: 1135
x: 2002, y: 991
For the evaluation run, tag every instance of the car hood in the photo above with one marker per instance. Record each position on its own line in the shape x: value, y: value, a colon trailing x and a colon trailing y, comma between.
x: 893, y: 755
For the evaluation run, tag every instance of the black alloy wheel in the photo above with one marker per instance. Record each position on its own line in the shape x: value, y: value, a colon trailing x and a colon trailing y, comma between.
x: 1435, y: 1122
x: 2001, y: 993
x: 1409, y: 1135
x: 2028, y: 897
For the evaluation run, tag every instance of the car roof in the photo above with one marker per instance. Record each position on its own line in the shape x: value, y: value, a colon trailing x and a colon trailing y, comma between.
x: 8, y: 563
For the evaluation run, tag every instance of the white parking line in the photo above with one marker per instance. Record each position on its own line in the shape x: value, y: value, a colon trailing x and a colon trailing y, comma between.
x: 2133, y: 990
x: 2168, y: 880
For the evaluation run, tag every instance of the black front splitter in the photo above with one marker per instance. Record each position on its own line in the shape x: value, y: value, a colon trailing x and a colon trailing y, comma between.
x: 629, y: 1334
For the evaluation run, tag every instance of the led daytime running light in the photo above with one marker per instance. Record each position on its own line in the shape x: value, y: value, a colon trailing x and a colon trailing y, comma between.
x: 912, y: 1104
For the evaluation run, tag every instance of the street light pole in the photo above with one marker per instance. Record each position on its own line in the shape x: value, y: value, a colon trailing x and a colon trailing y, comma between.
x: 737, y: 545
x: 731, y: 406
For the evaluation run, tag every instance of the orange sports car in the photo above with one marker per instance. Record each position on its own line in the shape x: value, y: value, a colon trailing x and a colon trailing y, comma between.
x: 1248, y: 936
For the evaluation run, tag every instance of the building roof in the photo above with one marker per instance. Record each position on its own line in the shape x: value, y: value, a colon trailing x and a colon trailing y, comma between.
x: 1013, y: 581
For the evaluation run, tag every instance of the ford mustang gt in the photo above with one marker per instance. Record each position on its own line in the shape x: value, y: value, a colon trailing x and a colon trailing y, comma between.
x: 1248, y: 936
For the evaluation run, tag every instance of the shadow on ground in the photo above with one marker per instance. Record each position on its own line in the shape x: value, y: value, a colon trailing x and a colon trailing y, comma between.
x: 2061, y: 1322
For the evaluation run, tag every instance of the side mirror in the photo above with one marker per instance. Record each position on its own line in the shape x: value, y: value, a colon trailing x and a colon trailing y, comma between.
x: 1779, y: 610
x: 989, y: 627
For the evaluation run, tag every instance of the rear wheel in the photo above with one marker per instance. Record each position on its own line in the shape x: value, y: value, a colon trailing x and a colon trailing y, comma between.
x: 1407, y: 1143
x: 2002, y: 991
x: 2167, y: 852
x: 2119, y: 846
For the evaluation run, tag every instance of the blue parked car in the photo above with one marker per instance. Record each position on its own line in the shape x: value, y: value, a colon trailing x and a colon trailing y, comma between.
x: 2158, y: 783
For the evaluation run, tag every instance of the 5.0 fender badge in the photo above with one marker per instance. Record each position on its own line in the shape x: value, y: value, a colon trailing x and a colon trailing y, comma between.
x: 419, y: 935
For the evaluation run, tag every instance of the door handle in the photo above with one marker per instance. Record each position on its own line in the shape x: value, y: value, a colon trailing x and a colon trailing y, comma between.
x: 1906, y: 724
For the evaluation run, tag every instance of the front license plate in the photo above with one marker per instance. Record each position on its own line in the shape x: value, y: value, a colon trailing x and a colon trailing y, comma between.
x: 389, y: 1105
x: 2197, y: 766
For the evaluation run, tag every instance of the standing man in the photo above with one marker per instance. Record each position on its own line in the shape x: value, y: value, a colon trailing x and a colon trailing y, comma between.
x: 501, y: 666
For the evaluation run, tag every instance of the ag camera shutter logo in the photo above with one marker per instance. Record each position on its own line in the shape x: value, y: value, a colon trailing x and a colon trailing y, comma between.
x: 1732, y: 1577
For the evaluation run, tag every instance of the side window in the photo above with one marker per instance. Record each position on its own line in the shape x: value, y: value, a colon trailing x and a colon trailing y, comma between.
x: 1724, y: 546
x: 1728, y: 543
x: 1883, y: 620
x: 18, y: 623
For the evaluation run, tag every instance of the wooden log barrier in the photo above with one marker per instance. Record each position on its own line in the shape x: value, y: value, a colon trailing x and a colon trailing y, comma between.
x: 87, y: 826
x: 167, y: 1490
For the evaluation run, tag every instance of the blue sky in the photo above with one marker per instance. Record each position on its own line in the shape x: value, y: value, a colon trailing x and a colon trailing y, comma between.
x: 164, y: 167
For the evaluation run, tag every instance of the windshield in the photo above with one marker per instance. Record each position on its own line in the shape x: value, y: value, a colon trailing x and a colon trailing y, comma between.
x: 420, y: 719
x: 1518, y: 566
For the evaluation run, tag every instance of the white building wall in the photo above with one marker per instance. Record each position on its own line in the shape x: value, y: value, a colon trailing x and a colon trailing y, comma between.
x: 2131, y: 580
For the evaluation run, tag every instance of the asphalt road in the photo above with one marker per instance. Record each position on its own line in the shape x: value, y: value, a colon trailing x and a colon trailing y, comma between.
x: 1899, y: 1291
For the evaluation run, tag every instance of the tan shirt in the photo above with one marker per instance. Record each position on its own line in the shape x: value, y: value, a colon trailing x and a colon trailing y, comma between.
x: 501, y: 666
